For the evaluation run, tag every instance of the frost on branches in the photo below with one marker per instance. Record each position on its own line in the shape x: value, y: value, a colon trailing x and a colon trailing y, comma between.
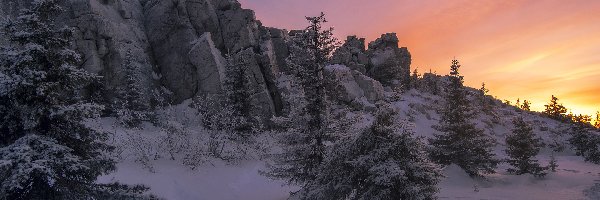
x: 461, y: 143
x: 45, y: 146
x: 522, y: 146
x: 131, y: 107
x: 304, y: 141
x: 385, y: 161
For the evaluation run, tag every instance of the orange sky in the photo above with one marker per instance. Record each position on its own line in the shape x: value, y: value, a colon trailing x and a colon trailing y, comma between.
x: 520, y: 49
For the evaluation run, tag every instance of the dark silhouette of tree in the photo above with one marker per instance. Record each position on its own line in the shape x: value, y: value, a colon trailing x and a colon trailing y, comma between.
x: 597, y: 120
x: 526, y: 105
x: 555, y: 110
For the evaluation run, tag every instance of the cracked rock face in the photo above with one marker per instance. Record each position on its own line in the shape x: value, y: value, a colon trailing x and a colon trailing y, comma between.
x: 352, y: 87
x: 384, y: 61
x: 389, y: 64
x: 180, y: 44
x: 352, y: 54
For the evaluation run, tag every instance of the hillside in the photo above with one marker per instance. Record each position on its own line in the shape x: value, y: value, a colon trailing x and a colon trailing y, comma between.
x: 197, y: 99
x: 214, y: 178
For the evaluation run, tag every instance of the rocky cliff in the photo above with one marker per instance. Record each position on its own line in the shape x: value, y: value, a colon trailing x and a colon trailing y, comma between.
x: 182, y: 45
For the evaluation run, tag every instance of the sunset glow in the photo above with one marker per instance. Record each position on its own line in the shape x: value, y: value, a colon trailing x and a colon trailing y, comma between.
x: 520, y: 49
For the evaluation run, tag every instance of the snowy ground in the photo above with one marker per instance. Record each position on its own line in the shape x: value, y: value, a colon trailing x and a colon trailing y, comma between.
x: 243, y: 181
x: 220, y: 182
x: 216, y: 180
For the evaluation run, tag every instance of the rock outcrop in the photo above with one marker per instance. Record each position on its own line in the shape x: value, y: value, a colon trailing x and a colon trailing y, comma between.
x: 182, y: 45
x: 384, y: 60
x: 352, y: 54
x: 389, y: 64
x: 351, y: 87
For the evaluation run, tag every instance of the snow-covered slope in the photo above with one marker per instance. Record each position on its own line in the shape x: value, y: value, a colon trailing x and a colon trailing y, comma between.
x: 148, y: 157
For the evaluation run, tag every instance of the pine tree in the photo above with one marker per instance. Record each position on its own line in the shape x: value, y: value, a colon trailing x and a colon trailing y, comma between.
x: 522, y: 146
x: 597, y: 120
x: 483, y: 99
x: 46, y: 151
x: 526, y: 105
x: 585, y: 142
x: 555, y: 110
x: 584, y: 120
x: 305, y: 144
x: 237, y: 91
x: 461, y: 142
x: 132, y: 107
x: 414, y: 78
x: 385, y: 161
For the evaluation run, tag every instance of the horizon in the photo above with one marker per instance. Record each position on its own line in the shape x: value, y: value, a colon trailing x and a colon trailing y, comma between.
x: 525, y: 50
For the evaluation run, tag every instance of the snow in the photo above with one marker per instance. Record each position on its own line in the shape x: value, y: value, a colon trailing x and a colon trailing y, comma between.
x: 221, y: 181
x: 572, y: 177
x: 216, y: 179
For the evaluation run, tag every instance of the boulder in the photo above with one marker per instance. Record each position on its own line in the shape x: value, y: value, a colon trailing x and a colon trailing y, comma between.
x: 389, y: 64
x: 351, y: 87
x: 352, y: 54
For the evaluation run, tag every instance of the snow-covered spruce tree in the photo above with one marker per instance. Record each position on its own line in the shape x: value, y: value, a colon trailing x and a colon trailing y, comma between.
x: 586, y: 142
x: 522, y: 146
x: 46, y: 151
x: 131, y: 107
x: 461, y: 143
x: 384, y: 161
x: 555, y: 110
x: 238, y: 92
x: 304, y: 147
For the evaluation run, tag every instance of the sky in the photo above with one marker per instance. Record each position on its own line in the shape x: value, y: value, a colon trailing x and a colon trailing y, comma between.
x: 520, y: 49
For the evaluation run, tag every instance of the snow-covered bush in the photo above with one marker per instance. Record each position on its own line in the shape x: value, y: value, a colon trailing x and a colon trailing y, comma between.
x: 385, y: 161
x: 586, y: 143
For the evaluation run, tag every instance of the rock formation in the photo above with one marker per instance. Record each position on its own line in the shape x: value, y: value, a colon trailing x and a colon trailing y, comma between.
x: 384, y: 60
x: 352, y: 54
x: 181, y: 45
x: 352, y: 87
x: 389, y: 64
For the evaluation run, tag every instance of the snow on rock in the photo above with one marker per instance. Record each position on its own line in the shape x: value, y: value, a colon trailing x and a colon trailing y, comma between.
x: 390, y: 65
x: 352, y: 54
x: 352, y: 87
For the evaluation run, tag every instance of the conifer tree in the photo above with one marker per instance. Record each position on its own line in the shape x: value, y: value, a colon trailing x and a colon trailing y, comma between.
x: 555, y: 110
x: 522, y: 146
x: 385, y: 161
x: 414, y: 78
x: 305, y: 145
x: 46, y: 151
x: 237, y: 106
x: 132, y: 107
x: 483, y: 99
x: 526, y: 105
x: 585, y: 142
x: 597, y: 120
x: 461, y: 142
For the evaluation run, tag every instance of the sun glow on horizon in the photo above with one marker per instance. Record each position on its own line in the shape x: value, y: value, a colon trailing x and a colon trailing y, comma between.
x: 521, y: 49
